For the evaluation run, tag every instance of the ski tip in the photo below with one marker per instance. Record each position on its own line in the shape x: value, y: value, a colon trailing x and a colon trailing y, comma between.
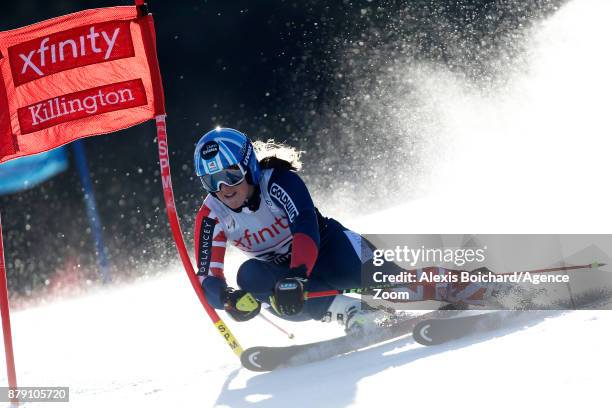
x: 597, y: 264
x: 250, y: 360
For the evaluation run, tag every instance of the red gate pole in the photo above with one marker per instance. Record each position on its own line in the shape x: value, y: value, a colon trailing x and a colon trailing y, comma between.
x: 148, y: 32
x: 6, y: 321
x: 164, y: 163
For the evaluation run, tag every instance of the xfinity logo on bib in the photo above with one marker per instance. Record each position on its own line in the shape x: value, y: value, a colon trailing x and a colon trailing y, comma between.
x: 282, y: 196
x: 69, y: 49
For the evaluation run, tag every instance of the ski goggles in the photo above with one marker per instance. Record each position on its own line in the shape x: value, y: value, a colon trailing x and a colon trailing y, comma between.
x: 231, y: 176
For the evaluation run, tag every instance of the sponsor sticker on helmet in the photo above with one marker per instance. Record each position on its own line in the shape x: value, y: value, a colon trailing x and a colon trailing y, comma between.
x: 209, y: 150
x: 212, y: 166
x: 247, y: 155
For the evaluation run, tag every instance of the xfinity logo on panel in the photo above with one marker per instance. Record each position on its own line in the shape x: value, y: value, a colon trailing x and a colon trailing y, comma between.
x: 69, y: 49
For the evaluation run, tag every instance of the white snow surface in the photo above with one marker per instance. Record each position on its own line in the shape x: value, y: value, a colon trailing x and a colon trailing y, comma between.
x: 537, y: 159
x: 150, y: 344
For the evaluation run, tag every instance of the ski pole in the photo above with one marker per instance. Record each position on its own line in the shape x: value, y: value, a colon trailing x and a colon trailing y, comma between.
x: 325, y: 293
x: 593, y: 265
x: 279, y: 328
x: 333, y: 292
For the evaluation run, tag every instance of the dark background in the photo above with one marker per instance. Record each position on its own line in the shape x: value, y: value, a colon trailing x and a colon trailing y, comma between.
x: 295, y: 71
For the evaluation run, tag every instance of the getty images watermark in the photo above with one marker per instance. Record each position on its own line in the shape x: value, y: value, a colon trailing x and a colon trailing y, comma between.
x: 488, y: 271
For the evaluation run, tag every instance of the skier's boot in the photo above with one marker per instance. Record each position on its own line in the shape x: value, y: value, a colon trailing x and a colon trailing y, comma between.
x: 348, y: 312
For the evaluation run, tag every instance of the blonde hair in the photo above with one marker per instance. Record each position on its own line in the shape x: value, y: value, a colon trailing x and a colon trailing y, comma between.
x: 273, y: 154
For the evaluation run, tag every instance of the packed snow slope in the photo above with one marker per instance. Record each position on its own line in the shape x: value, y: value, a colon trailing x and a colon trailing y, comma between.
x: 532, y: 159
x: 150, y: 344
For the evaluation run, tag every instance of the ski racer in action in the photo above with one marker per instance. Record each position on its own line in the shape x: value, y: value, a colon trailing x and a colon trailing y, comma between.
x: 258, y: 203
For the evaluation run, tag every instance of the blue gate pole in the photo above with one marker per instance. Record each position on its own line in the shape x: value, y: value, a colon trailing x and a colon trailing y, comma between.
x: 92, y: 211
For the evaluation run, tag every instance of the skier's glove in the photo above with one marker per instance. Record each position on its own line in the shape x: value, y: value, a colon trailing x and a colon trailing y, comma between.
x: 288, y: 298
x: 241, y: 305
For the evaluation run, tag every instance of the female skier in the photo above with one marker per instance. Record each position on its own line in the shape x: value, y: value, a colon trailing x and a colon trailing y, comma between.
x: 263, y: 208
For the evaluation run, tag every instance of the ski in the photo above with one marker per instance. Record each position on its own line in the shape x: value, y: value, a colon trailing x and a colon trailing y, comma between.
x: 433, y: 331
x: 263, y: 358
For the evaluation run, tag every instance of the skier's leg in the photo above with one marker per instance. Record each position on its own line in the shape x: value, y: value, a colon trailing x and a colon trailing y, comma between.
x: 259, y: 278
x: 339, y: 262
x: 339, y: 267
x: 343, y: 258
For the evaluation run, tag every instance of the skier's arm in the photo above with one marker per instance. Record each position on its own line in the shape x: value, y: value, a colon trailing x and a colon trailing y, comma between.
x: 290, y: 193
x: 210, y: 242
